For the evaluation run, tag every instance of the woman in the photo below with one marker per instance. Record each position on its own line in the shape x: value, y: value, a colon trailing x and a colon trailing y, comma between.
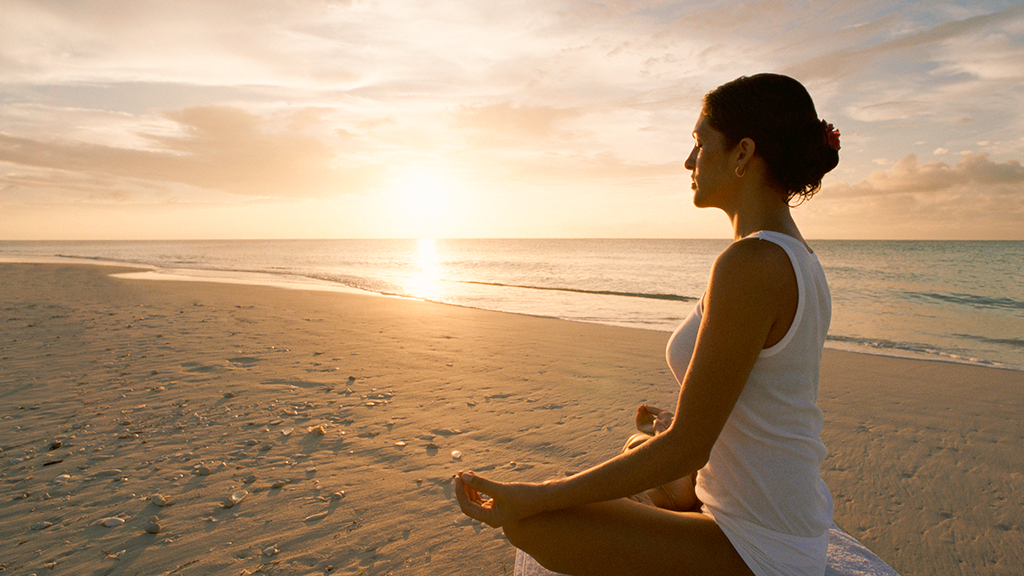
x: 745, y: 437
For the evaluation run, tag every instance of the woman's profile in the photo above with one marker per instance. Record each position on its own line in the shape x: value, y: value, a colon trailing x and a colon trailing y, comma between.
x: 729, y: 480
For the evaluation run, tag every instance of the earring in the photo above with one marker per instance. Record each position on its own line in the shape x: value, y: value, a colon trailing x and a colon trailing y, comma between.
x: 740, y: 174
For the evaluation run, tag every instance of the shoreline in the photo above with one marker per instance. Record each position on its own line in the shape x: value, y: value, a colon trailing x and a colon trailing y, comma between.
x: 289, y: 281
x: 186, y: 390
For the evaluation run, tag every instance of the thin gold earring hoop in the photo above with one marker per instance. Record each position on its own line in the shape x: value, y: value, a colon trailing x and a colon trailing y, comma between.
x: 740, y: 174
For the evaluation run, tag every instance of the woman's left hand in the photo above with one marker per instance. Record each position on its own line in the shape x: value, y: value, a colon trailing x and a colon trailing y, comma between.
x: 507, y: 502
x: 652, y: 420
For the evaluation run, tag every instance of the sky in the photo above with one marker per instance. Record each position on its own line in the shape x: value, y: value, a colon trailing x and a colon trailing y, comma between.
x: 524, y: 118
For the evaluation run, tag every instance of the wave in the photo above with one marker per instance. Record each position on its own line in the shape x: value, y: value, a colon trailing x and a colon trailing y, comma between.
x: 906, y: 350
x: 972, y: 300
x: 653, y: 296
x: 1012, y: 342
x: 95, y: 258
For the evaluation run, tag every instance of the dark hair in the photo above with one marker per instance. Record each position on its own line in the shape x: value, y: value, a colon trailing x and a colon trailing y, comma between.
x: 777, y: 113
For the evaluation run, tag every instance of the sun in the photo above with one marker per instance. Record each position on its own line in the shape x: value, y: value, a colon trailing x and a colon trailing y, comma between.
x: 425, y: 198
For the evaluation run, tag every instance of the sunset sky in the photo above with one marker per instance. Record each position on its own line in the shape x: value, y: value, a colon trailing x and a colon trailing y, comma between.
x: 530, y: 118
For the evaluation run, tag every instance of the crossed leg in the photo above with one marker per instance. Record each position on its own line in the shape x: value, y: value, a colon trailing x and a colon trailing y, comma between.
x: 625, y: 537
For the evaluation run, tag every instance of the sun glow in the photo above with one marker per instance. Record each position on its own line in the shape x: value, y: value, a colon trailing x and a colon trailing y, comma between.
x: 425, y: 198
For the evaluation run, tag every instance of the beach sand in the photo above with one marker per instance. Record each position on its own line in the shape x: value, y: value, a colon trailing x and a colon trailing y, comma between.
x: 152, y: 402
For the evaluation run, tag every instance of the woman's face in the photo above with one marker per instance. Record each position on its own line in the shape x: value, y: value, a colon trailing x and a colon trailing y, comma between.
x: 709, y: 164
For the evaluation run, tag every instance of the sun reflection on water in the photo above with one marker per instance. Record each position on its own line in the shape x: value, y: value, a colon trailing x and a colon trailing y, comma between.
x: 425, y: 281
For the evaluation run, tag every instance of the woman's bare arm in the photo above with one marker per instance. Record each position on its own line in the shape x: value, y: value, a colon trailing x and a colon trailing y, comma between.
x: 750, y: 283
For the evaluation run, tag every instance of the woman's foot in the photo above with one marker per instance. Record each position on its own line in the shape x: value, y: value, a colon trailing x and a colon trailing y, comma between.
x: 635, y: 440
x: 678, y: 495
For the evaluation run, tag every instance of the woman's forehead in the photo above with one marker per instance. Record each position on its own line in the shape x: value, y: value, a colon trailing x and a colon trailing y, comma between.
x: 702, y: 128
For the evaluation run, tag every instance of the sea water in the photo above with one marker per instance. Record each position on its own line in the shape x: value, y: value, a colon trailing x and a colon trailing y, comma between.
x: 941, y: 300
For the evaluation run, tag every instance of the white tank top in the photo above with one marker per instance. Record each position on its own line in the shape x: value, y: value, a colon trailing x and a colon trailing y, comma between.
x: 762, y: 482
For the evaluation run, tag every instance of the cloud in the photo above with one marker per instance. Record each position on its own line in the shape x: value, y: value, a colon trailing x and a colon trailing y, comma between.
x: 218, y: 148
x: 922, y: 67
x: 917, y: 44
x: 237, y: 101
x: 909, y: 176
x: 206, y: 43
x: 973, y: 199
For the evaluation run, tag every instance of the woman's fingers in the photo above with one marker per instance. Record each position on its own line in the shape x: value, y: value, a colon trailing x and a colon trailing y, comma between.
x: 652, y: 420
x: 477, y: 483
x: 470, y: 500
x: 663, y: 421
x: 495, y: 503
x: 645, y: 419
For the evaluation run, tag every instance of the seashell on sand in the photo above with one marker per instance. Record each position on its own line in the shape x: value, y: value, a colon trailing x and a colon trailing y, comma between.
x: 270, y: 550
x: 112, y: 522
x: 456, y: 454
x: 160, y: 500
x: 235, y: 498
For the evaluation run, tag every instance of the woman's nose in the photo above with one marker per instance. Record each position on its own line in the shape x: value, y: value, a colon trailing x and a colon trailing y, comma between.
x: 691, y: 160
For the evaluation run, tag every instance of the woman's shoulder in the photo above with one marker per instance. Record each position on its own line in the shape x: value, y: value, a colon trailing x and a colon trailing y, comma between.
x: 753, y: 267
x: 752, y: 254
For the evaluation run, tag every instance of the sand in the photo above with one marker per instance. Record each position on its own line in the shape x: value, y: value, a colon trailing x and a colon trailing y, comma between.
x: 152, y: 402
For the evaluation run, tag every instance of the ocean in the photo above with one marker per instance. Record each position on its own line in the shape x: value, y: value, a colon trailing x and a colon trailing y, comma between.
x: 940, y: 300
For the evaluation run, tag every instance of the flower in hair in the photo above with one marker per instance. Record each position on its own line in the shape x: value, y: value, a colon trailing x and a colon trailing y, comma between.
x: 832, y: 135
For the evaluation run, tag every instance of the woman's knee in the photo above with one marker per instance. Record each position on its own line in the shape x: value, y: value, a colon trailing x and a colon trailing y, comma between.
x: 518, y: 534
x: 527, y: 535
x: 544, y: 538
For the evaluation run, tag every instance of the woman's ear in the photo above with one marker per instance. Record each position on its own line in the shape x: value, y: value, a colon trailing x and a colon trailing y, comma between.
x: 743, y: 151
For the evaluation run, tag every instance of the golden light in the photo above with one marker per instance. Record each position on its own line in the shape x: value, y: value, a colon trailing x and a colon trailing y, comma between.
x: 425, y: 198
x: 424, y: 283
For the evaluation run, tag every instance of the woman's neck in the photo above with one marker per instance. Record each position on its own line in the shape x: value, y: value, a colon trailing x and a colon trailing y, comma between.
x: 764, y: 211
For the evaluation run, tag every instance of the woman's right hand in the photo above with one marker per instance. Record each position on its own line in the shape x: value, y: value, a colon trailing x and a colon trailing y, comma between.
x: 652, y: 420
x: 496, y: 503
